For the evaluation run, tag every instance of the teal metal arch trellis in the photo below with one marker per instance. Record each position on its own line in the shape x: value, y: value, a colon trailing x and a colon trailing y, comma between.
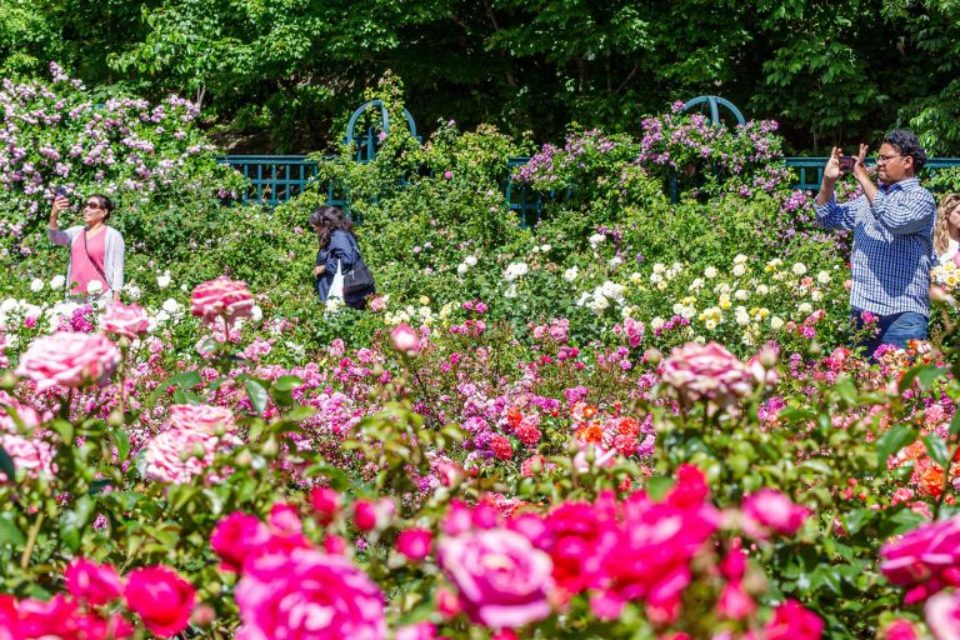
x: 366, y: 146
x: 715, y: 102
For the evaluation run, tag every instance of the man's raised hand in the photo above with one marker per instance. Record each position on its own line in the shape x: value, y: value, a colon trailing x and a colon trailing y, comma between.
x: 832, y: 171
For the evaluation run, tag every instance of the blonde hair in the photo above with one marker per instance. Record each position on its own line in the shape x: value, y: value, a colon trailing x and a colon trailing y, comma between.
x: 941, y: 229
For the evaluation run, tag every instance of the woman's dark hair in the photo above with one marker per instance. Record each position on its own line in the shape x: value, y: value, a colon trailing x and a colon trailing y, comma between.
x: 907, y: 144
x: 105, y: 203
x: 325, y: 220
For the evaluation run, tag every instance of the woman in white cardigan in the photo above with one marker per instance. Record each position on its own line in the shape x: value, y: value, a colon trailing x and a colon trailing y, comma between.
x: 95, y: 269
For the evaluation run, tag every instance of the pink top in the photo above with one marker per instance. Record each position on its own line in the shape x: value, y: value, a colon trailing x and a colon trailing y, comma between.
x: 82, y: 270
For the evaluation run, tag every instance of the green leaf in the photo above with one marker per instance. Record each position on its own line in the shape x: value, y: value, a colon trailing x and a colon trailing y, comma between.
x: 64, y: 429
x: 925, y: 374
x: 257, y: 394
x: 892, y: 441
x: 658, y: 486
x: 6, y: 465
x: 122, y: 440
x: 10, y: 534
x: 955, y: 424
x: 937, y: 449
x: 298, y: 413
x: 855, y: 520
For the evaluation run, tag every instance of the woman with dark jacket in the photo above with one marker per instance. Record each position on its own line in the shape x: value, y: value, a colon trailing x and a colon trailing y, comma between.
x: 338, y: 245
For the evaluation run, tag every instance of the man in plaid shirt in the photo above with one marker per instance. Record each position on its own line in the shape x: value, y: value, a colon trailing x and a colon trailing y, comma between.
x: 892, y: 226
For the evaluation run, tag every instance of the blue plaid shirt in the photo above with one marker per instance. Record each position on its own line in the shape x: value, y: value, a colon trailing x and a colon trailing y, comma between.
x: 892, y: 246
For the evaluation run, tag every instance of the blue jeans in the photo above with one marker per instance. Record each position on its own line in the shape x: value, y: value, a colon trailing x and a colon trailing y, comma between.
x: 895, y: 329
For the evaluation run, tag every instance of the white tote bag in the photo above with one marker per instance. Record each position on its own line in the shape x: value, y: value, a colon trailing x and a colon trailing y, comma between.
x: 336, y: 288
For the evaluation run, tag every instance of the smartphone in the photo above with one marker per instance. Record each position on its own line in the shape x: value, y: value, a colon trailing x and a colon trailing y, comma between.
x: 61, y: 191
x: 846, y: 164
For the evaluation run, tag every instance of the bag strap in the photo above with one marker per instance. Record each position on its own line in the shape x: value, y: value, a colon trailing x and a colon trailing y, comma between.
x: 90, y: 258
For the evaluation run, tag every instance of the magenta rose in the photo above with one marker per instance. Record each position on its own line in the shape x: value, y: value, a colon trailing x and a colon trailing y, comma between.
x: 125, y: 320
x: 926, y: 559
x: 201, y: 418
x: 221, y: 297
x: 769, y: 510
x: 162, y: 599
x: 69, y: 359
x: 502, y: 580
x: 95, y: 583
x: 326, y: 504
x: 308, y: 595
x: 791, y: 621
x: 415, y: 544
x: 236, y: 538
x: 706, y: 372
x: 942, y: 612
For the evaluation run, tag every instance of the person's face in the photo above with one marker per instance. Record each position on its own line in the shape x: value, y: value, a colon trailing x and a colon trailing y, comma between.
x: 953, y: 218
x: 94, y: 212
x: 893, y: 167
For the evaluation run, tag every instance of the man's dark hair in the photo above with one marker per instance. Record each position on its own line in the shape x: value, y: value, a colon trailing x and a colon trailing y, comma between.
x: 907, y: 144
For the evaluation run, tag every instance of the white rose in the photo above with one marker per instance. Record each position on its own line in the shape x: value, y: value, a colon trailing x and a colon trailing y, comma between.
x: 256, y: 313
x: 816, y: 296
x: 163, y: 280
x: 516, y: 270
x: 740, y: 259
x: 462, y: 268
x: 571, y: 274
x: 615, y: 261
x: 94, y: 287
x: 545, y: 247
x: 36, y: 285
x: 8, y: 305
x: 805, y: 308
x: 823, y: 277
x: 596, y: 239
x: 170, y: 306
x: 656, y: 323
x: 470, y: 261
x: 133, y: 291
x: 511, y: 292
x: 763, y: 290
x: 798, y: 269
x: 659, y: 267
x: 739, y: 269
x: 710, y: 272
x: 776, y: 323
x: 57, y: 282
x: 741, y: 294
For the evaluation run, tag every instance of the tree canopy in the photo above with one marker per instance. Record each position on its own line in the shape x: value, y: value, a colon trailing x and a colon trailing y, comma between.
x: 281, y: 76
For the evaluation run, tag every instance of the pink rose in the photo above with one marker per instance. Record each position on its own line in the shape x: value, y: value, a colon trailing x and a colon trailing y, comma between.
x: 33, y: 455
x: 904, y: 630
x: 284, y: 519
x: 179, y: 455
x: 221, y: 297
x: 927, y: 559
x: 418, y: 631
x: 706, y: 372
x: 94, y: 583
x: 368, y: 515
x: 69, y: 359
x: 768, y: 510
x: 201, y: 418
x: 405, y: 339
x: 236, y: 538
x: 162, y: 599
x: 791, y: 621
x: 942, y: 612
x: 125, y: 320
x: 308, y: 595
x: 326, y: 504
x: 502, y: 580
x: 415, y: 544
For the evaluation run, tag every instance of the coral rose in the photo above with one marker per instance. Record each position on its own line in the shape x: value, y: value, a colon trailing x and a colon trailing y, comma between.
x: 502, y: 580
x: 125, y: 320
x: 927, y: 559
x: 706, y: 372
x: 162, y: 599
x: 94, y: 583
x: 69, y: 359
x: 221, y: 297
x: 308, y: 595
